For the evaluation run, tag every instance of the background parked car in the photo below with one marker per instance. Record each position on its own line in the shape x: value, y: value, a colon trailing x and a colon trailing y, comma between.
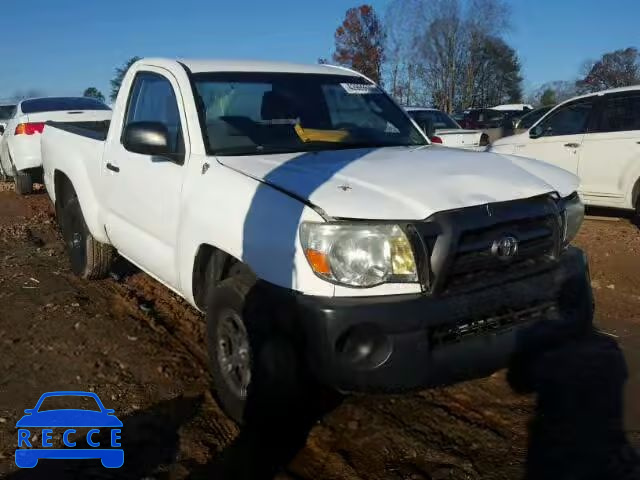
x: 595, y: 136
x: 6, y: 112
x: 527, y: 121
x: 441, y: 128
x: 522, y: 107
x: 20, y: 145
x: 494, y: 123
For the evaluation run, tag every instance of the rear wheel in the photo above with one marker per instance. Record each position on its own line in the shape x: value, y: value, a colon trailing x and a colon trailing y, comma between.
x: 89, y: 258
x: 24, y: 183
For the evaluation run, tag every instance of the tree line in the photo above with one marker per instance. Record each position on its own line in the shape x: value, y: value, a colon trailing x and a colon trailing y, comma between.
x: 452, y: 54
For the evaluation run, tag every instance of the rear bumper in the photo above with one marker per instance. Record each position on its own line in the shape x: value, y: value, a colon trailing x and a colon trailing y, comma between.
x: 405, y: 342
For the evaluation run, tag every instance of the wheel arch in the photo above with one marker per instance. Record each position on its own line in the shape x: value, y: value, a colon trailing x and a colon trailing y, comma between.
x: 65, y: 184
x: 205, y: 274
x: 635, y: 196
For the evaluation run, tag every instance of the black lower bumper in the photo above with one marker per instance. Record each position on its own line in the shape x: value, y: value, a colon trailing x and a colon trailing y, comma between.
x: 396, y: 343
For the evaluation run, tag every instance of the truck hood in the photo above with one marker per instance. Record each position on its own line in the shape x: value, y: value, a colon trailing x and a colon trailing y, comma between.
x: 403, y: 182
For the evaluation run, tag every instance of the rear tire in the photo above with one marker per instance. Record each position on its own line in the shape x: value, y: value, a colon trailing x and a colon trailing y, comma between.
x: 24, y: 183
x: 89, y: 258
x: 254, y: 367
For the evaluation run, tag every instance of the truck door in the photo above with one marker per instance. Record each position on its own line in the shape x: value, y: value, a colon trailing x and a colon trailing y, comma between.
x: 143, y: 191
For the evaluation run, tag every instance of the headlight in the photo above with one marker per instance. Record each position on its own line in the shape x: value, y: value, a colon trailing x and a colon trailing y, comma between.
x: 358, y: 255
x: 572, y: 215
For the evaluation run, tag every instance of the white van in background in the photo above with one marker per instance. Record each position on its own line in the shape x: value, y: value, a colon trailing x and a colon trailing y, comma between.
x: 596, y: 137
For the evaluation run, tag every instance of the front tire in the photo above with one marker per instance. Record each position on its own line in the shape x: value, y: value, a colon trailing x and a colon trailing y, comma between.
x: 89, y: 258
x: 254, y: 367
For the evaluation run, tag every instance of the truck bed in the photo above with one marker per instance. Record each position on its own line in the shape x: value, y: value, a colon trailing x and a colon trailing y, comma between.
x: 96, y: 130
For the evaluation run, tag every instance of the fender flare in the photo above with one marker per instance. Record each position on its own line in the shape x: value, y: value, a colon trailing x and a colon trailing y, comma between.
x: 88, y: 203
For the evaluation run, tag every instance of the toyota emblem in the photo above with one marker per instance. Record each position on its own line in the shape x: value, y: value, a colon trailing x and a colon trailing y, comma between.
x: 505, y: 247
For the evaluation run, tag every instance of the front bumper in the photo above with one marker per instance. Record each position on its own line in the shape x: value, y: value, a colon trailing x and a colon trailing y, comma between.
x: 404, y: 342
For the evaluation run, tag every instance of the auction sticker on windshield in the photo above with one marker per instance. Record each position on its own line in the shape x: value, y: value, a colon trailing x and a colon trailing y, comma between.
x: 360, y: 88
x: 36, y: 431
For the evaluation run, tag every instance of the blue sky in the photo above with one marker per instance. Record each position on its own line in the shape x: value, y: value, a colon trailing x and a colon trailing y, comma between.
x: 64, y: 46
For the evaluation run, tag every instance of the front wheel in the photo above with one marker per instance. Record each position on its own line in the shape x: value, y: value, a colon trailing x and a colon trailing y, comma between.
x: 90, y: 259
x: 254, y: 367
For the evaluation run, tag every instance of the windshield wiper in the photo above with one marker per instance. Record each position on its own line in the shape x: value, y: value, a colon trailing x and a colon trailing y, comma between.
x: 306, y: 147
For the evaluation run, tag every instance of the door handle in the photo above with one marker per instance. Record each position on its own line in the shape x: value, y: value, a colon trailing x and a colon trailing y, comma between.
x: 113, y: 168
x: 572, y: 145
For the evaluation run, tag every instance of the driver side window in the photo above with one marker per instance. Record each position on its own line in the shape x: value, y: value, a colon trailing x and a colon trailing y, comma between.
x: 153, y: 100
x: 571, y: 119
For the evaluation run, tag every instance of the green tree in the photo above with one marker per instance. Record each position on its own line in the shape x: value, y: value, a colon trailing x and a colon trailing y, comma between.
x: 548, y: 97
x: 116, y: 81
x: 93, y: 92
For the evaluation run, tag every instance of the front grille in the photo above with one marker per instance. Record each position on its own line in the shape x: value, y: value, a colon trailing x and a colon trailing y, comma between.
x: 447, y: 334
x: 474, y: 261
x: 459, y: 246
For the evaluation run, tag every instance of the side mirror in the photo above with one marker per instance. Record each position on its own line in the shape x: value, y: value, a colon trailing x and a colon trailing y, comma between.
x: 29, y: 411
x: 109, y: 411
x: 146, y: 138
x: 536, y: 132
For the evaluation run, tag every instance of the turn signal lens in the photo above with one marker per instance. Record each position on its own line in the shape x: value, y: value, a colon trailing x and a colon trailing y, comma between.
x: 318, y: 261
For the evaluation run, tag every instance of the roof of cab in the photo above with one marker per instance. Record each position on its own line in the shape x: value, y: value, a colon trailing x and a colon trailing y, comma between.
x: 203, y: 66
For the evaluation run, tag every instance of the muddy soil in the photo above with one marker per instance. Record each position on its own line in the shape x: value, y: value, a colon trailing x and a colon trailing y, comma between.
x: 142, y: 350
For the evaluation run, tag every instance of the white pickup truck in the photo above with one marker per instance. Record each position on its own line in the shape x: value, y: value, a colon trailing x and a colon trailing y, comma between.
x: 317, y: 228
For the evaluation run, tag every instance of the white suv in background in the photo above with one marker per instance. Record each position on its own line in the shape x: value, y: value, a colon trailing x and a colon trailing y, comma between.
x: 596, y: 137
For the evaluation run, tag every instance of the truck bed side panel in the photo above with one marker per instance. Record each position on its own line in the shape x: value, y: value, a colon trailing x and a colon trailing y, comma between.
x: 79, y: 157
x: 97, y: 130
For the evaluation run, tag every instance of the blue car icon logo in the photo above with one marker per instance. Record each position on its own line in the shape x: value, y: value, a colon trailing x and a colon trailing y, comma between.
x: 27, y: 455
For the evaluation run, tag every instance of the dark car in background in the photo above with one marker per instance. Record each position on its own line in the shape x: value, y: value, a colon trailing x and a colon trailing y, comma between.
x: 527, y: 121
x: 6, y: 112
x: 494, y: 123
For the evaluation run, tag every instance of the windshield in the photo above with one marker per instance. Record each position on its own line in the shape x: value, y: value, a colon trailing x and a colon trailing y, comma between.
x: 253, y: 112
x: 61, y: 104
x: 438, y: 119
x: 6, y: 111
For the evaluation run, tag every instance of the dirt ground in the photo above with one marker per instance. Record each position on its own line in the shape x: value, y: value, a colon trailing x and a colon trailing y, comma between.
x: 142, y: 350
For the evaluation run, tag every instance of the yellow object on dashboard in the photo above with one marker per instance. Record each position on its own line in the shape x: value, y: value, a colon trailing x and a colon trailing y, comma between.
x: 314, y: 135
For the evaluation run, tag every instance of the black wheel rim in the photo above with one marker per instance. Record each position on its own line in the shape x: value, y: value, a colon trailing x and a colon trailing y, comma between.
x: 76, y: 242
x: 234, y: 352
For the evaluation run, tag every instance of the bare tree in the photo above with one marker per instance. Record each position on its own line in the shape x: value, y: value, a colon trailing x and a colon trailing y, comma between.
x: 404, y: 24
x: 444, y: 48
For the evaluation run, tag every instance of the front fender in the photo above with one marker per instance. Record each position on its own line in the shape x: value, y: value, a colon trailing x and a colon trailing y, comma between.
x: 250, y: 221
